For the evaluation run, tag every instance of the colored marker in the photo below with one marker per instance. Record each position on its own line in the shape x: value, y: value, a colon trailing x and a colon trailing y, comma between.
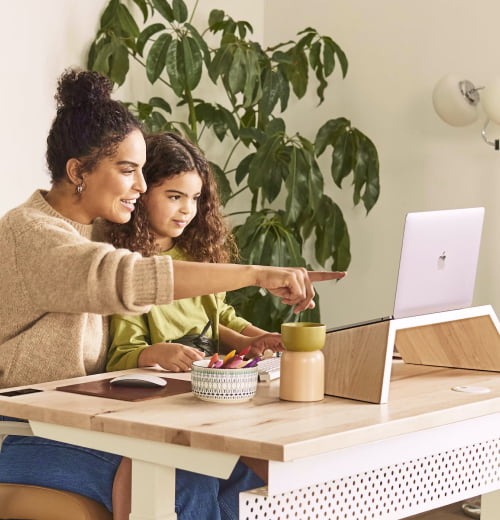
x: 234, y: 362
x: 228, y: 356
x: 244, y: 352
x: 213, y: 359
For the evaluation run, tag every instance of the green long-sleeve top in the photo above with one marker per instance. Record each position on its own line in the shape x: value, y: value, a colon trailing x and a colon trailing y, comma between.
x: 130, y: 334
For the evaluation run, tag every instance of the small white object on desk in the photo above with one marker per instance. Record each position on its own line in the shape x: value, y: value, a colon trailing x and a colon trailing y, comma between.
x: 142, y: 380
x: 471, y: 389
x: 269, y: 368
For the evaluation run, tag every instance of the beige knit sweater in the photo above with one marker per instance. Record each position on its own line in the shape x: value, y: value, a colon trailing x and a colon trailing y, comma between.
x: 57, y: 284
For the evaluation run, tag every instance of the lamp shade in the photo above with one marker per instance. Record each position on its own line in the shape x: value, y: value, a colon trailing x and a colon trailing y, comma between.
x: 453, y: 101
x: 490, y: 98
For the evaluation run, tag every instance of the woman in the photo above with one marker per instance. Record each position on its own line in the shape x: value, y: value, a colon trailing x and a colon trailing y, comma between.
x: 58, y: 282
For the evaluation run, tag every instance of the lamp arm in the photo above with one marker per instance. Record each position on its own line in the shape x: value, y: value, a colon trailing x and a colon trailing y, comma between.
x: 495, y: 143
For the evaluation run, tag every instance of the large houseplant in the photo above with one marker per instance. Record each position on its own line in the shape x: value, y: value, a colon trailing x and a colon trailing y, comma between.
x: 271, y: 170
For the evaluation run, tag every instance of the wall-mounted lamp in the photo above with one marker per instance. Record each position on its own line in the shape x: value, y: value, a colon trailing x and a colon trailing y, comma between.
x: 456, y: 102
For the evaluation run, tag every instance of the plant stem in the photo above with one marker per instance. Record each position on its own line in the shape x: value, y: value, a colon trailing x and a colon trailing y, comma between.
x: 193, y: 11
x: 230, y: 154
x: 238, y: 213
x: 237, y: 193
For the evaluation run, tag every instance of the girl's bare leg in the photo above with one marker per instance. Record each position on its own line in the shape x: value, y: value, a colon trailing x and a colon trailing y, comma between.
x: 122, y: 490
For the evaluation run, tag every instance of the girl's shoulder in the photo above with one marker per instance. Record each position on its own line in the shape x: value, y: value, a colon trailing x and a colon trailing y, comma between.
x: 178, y: 254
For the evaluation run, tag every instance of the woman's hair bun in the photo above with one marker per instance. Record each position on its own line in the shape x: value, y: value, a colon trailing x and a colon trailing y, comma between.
x: 77, y: 88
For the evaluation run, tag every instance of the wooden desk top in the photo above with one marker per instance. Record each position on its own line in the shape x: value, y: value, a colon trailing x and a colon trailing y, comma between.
x: 265, y: 427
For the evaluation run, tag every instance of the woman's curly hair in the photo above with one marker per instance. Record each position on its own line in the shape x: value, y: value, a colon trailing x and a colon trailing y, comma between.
x: 89, y: 125
x: 207, y: 238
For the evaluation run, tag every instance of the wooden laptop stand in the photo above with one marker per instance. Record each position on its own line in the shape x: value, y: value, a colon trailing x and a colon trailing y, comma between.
x: 358, y: 360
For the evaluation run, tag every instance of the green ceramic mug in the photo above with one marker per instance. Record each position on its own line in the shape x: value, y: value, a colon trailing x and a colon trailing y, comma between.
x: 303, y: 336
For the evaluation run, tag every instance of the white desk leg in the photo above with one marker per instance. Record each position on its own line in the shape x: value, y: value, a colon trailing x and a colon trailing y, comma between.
x: 153, y: 492
x: 490, y: 505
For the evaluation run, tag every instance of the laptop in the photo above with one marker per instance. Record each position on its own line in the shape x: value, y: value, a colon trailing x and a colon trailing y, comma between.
x: 438, y: 263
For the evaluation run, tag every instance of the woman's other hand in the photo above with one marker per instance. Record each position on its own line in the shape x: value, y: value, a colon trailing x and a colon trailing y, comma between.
x: 270, y: 341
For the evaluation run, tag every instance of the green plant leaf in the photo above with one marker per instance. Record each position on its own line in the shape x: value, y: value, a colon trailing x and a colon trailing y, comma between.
x: 329, y: 132
x: 314, y: 55
x: 158, y: 122
x: 268, y: 168
x: 126, y: 21
x: 223, y: 185
x: 372, y: 191
x: 157, y: 57
x: 331, y: 47
x: 252, y: 91
x: 216, y: 16
x: 237, y: 72
x: 218, y: 118
x: 202, y: 44
x: 328, y: 59
x: 365, y: 171
x: 143, y: 110
x: 159, y: 102
x: 297, y: 71
x: 303, y: 183
x: 146, y: 34
x: 271, y: 92
x: 296, y: 197
x: 142, y: 5
x: 191, y: 62
x: 180, y: 11
x: 164, y: 9
x: 221, y: 62
x: 119, y: 63
x: 252, y: 134
x: 100, y: 55
x: 109, y: 15
x: 243, y: 168
x: 172, y: 62
x: 343, y: 157
x: 332, y: 237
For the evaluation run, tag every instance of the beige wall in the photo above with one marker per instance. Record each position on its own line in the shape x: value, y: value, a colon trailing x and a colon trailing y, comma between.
x: 397, y: 50
x: 38, y: 40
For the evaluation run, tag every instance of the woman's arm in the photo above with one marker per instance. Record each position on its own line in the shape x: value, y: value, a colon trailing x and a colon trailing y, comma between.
x: 292, y: 285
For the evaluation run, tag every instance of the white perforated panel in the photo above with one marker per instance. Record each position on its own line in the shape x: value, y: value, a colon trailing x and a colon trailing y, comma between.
x: 392, y: 492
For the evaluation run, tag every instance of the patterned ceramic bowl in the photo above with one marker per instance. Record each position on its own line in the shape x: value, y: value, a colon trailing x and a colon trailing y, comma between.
x: 223, y: 385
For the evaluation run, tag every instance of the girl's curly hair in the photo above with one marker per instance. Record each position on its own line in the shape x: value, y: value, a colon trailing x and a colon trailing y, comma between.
x: 207, y: 238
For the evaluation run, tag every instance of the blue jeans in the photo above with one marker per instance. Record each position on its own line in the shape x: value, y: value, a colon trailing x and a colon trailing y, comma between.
x: 42, y: 462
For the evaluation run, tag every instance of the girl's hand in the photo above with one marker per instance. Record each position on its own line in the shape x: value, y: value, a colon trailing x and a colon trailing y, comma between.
x: 169, y: 356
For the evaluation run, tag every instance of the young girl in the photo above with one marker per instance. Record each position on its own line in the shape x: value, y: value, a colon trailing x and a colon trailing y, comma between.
x: 179, y: 215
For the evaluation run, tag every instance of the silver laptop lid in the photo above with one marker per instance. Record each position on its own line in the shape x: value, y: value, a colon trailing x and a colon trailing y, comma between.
x: 438, y: 264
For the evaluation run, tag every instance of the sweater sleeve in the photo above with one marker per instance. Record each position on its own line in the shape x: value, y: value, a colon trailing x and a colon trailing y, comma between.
x: 129, y: 337
x: 62, y: 271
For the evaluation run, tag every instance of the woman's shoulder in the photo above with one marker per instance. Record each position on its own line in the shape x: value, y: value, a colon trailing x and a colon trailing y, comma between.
x: 35, y: 215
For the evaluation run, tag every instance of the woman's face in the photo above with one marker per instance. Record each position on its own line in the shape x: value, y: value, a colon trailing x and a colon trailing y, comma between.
x: 113, y: 187
x: 172, y: 205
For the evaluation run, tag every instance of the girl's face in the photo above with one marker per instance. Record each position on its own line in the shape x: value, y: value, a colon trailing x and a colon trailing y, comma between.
x: 113, y: 187
x: 172, y: 205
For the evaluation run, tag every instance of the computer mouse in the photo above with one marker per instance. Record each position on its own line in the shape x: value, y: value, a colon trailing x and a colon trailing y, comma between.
x: 142, y: 380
